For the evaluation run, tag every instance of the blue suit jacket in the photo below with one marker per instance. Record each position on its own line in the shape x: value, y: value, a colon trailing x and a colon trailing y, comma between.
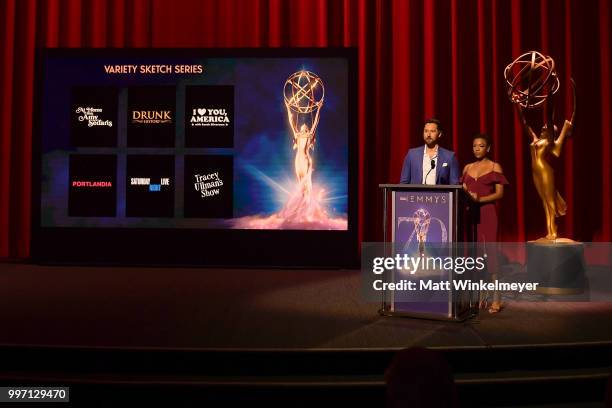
x: 447, y: 167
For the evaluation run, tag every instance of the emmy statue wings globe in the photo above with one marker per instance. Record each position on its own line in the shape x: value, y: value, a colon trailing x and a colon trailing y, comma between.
x: 530, y: 79
x: 304, y: 94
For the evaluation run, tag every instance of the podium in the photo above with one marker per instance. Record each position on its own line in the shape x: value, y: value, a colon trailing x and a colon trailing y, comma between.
x: 427, y: 219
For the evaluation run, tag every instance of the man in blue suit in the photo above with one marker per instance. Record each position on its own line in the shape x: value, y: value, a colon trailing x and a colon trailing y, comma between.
x: 430, y: 164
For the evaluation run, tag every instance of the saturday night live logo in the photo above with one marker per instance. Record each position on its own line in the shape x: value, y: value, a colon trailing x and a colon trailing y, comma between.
x: 138, y: 181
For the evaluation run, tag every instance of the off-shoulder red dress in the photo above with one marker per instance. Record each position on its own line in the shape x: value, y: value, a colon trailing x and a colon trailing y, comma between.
x: 484, y: 216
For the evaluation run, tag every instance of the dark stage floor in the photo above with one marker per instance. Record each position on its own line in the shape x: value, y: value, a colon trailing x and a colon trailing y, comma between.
x: 143, y: 307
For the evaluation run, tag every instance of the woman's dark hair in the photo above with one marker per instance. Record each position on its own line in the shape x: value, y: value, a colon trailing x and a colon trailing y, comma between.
x: 482, y: 136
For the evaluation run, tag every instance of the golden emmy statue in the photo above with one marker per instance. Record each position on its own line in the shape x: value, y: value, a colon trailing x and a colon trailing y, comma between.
x: 303, y: 94
x: 532, y: 82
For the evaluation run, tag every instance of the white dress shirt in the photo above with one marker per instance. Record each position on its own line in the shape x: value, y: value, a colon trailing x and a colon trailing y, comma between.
x: 429, y: 177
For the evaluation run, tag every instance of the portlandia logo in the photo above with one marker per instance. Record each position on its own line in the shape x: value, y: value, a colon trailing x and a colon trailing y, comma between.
x: 209, y: 117
x: 152, y: 116
x: 91, y: 184
x: 91, y: 115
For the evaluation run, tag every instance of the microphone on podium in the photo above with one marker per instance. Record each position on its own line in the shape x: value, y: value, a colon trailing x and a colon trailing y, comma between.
x: 433, y: 166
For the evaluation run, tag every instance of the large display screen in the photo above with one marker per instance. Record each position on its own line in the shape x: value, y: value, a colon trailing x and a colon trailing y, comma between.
x: 233, y: 148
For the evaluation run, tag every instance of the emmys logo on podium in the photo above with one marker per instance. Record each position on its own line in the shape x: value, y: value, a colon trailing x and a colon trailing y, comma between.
x: 428, y: 199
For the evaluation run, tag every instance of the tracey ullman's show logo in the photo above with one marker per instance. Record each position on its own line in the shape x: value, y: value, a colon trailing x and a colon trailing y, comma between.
x: 151, y: 116
x: 91, y: 115
x: 208, y: 184
x: 209, y: 117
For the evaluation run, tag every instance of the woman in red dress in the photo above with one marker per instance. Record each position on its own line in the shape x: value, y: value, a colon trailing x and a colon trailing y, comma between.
x: 484, y: 181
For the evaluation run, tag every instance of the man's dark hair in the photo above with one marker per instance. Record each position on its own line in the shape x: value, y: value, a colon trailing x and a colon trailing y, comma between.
x: 482, y: 136
x: 436, y: 121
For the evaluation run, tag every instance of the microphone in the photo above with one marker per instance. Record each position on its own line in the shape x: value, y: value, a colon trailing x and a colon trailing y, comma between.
x: 433, y: 166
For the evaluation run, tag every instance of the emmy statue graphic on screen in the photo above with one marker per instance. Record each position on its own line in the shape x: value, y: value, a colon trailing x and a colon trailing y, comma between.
x: 532, y: 82
x: 304, y: 94
x: 304, y: 197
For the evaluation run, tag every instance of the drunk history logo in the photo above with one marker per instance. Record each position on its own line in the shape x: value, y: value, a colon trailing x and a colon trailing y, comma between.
x: 209, y: 116
x: 151, y: 113
x: 152, y: 116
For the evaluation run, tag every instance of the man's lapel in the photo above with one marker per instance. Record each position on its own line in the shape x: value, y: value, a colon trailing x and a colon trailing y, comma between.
x: 441, y: 160
x: 419, y: 163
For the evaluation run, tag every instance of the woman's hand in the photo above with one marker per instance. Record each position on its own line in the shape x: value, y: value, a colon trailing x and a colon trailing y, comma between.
x: 473, y: 196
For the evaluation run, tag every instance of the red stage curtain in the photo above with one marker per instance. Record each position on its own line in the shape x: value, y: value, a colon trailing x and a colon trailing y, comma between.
x: 416, y: 59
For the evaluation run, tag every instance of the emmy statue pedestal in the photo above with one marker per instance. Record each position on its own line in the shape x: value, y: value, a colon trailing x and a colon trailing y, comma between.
x: 558, y: 267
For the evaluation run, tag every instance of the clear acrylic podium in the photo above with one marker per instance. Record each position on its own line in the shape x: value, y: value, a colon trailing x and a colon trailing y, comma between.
x: 426, y: 218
